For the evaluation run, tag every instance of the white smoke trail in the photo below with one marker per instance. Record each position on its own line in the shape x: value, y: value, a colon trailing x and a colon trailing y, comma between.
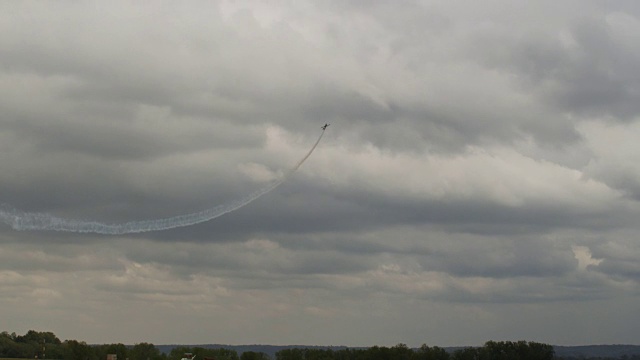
x: 20, y: 220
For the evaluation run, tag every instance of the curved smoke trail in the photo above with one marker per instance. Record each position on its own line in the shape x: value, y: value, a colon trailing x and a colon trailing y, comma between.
x: 20, y: 220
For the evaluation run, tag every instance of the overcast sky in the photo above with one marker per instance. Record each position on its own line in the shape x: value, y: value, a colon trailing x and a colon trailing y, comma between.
x: 480, y: 179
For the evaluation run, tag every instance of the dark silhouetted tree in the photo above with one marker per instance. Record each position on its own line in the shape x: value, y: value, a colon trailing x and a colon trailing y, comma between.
x: 78, y: 350
x: 252, y: 355
x: 290, y: 354
x: 145, y: 351
x: 430, y: 353
x: 466, y: 354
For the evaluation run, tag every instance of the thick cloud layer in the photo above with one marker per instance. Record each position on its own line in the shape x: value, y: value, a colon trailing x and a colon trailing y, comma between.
x: 479, y: 179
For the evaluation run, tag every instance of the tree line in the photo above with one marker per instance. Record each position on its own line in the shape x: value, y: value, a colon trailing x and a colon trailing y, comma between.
x: 505, y: 350
x: 45, y: 345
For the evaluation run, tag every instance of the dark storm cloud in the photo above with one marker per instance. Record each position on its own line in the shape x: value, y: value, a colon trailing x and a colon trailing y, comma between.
x: 512, y: 257
x: 625, y: 181
x: 620, y: 269
x: 307, y: 206
x: 589, y: 68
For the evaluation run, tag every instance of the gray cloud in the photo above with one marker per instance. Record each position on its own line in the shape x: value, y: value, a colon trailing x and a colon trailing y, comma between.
x: 480, y: 169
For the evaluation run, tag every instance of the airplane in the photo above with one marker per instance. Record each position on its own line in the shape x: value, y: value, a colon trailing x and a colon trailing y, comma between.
x: 325, y: 126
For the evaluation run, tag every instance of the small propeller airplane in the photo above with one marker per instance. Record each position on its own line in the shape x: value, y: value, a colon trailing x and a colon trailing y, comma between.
x: 325, y: 126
